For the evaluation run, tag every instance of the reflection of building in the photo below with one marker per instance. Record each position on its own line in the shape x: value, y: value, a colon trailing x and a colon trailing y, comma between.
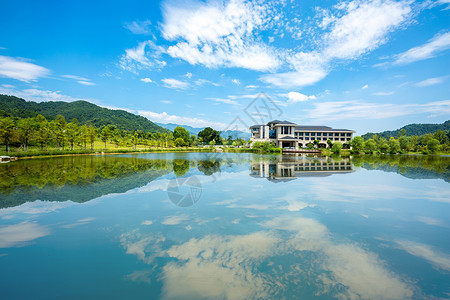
x: 289, y: 135
x: 292, y: 168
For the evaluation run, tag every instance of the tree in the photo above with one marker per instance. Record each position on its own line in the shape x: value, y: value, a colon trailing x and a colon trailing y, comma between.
x: 440, y: 136
x: 336, y: 148
x: 357, y: 143
x: 92, y: 133
x: 59, y: 129
x: 208, y: 134
x: 394, y: 146
x: 180, y: 132
x: 135, y: 139
x: 383, y: 145
x: 25, y: 131
x: 404, y: 142
x: 433, y: 145
x: 84, y: 135
x: 329, y: 143
x: 179, y: 142
x: 72, y: 132
x: 371, y: 145
x: 6, y: 130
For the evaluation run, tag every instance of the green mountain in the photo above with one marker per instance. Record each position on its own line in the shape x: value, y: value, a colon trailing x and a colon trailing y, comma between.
x: 411, y: 129
x: 83, y: 111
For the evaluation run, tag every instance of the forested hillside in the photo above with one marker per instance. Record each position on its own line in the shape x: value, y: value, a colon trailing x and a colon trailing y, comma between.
x: 83, y: 111
x: 411, y: 129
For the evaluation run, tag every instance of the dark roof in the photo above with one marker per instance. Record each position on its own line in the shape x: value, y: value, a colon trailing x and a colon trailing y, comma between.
x: 320, y: 128
x: 274, y: 121
x: 256, y: 126
x: 285, y: 123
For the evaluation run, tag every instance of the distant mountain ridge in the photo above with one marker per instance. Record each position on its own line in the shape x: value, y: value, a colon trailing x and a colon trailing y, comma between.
x: 411, y: 129
x: 192, y: 130
x: 83, y: 111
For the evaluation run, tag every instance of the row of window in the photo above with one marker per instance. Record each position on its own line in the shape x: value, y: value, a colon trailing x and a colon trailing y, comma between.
x: 324, y: 139
x: 323, y: 133
x: 323, y: 168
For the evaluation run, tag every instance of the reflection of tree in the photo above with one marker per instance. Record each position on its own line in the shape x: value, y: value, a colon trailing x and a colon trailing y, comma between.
x: 180, y: 167
x: 76, y: 178
x: 209, y: 167
x: 411, y: 166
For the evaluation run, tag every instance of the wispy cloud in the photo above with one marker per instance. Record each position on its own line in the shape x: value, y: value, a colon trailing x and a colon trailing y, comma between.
x: 175, y: 83
x: 201, y: 82
x: 345, y: 110
x: 146, y: 80
x: 226, y: 101
x: 139, y: 58
x: 37, y: 95
x: 438, y: 259
x: 430, y: 81
x: 365, y: 87
x: 139, y: 27
x: 18, y: 234
x: 436, y: 45
x: 79, y: 79
x: 236, y: 81
x: 384, y: 93
x: 362, y: 27
x: 19, y: 69
x: 166, y: 118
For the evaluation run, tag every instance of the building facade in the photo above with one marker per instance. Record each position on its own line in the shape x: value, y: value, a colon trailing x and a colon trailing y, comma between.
x: 289, y: 135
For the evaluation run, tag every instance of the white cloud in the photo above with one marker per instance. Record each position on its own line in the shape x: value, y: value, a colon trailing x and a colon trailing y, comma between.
x: 236, y: 81
x: 201, y: 82
x: 86, y: 82
x: 21, y: 70
x: 217, y: 34
x: 437, y: 44
x: 146, y: 80
x: 226, y: 101
x: 166, y: 101
x: 188, y: 75
x: 37, y: 95
x: 19, y: 234
x: 175, y: 83
x: 252, y: 87
x: 365, y: 87
x: 345, y: 110
x: 166, y: 118
x: 384, y: 93
x: 139, y: 58
x: 363, y: 27
x: 139, y: 27
x: 430, y: 81
x: 295, y: 97
x: 147, y: 222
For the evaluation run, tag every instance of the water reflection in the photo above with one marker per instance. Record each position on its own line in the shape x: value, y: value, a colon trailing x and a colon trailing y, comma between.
x: 284, y: 168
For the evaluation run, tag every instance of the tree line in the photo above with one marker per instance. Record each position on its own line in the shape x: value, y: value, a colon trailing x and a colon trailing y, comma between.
x: 40, y: 133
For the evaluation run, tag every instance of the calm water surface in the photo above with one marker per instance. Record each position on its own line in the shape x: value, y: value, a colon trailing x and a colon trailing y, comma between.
x: 225, y: 226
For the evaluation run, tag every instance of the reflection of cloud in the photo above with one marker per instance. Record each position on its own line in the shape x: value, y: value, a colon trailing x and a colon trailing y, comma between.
x: 436, y: 258
x: 139, y: 276
x: 147, y: 222
x: 174, y: 220
x: 145, y: 248
x: 430, y: 221
x: 78, y: 223
x: 218, y: 267
x: 18, y: 234
x: 35, y: 207
x: 360, y: 271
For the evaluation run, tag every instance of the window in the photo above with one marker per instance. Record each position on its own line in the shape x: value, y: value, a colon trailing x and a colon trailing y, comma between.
x: 307, y: 138
x: 319, y: 134
x: 342, y: 134
x: 336, y: 134
x: 349, y: 134
x: 300, y: 133
x: 313, y: 134
x: 306, y: 133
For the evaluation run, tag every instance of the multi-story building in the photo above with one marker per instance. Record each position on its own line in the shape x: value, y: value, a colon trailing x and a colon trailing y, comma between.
x: 289, y: 135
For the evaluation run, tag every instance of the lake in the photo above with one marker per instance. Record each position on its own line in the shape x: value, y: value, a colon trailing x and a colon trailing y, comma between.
x: 225, y: 226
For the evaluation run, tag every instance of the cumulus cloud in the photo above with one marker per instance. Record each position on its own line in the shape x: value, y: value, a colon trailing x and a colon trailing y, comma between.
x: 146, y: 80
x: 11, y: 67
x: 217, y: 34
x: 294, y: 97
x: 436, y: 45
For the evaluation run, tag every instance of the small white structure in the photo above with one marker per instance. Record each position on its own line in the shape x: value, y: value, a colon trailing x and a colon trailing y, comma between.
x: 288, y: 135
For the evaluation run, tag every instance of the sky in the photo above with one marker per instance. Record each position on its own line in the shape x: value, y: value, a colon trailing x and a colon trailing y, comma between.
x: 363, y: 65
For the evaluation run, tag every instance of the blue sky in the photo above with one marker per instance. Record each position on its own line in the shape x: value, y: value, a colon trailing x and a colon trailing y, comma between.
x: 362, y: 65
